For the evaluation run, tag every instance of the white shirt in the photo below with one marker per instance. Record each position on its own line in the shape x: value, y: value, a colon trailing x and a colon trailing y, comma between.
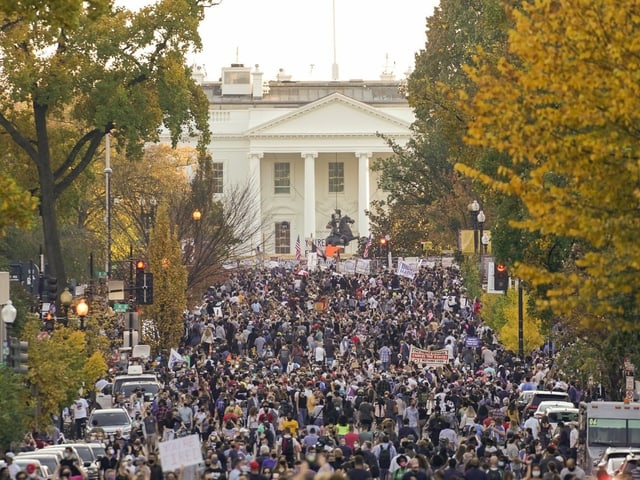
x: 80, y: 408
x: 534, y: 425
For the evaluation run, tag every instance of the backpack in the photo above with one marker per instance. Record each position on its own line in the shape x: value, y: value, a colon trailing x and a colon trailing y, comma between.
x: 287, y: 447
x: 384, y: 460
x: 494, y: 475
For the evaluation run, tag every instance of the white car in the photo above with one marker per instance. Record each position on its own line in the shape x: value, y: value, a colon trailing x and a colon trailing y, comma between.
x: 547, y: 404
x: 561, y: 414
x: 111, y: 420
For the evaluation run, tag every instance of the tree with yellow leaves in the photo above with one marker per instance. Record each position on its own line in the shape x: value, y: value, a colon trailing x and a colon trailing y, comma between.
x: 500, y: 312
x: 169, y: 285
x: 563, y: 109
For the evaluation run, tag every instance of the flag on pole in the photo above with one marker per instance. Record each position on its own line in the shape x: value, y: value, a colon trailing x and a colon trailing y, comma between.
x: 298, y: 249
x: 365, y: 254
x: 174, y: 358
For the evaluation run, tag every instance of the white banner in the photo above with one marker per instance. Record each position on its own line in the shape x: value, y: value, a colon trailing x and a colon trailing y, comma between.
x: 363, y: 267
x: 349, y: 267
x: 181, y: 452
x: 430, y: 358
x: 312, y: 261
x: 406, y: 270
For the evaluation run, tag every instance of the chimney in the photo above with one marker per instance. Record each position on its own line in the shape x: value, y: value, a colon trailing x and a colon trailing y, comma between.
x: 256, y: 82
x: 198, y: 74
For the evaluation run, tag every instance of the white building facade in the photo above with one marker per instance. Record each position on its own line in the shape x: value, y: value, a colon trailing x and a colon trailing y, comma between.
x: 306, y: 147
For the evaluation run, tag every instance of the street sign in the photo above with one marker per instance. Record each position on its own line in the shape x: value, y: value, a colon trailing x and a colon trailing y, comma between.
x: 101, y: 274
x: 120, y: 307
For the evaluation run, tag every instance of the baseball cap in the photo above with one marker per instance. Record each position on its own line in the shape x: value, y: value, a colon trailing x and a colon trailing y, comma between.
x: 10, y: 454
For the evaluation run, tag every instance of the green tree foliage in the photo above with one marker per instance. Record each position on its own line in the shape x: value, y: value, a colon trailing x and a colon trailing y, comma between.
x: 17, y: 207
x: 74, y: 71
x: 170, y: 284
x: 421, y: 174
x: 566, y: 96
x: 14, y: 410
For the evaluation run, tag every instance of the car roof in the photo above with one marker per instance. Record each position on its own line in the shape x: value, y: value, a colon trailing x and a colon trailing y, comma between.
x: 620, y: 450
x: 562, y: 410
x: 109, y: 410
x: 555, y: 403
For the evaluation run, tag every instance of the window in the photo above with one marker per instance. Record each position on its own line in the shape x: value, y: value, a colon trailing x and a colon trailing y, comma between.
x: 336, y: 177
x: 218, y: 177
x: 283, y: 240
x: 282, y: 178
x: 237, y: 78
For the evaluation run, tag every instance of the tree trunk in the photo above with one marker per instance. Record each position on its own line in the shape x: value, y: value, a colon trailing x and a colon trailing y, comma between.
x: 52, y: 247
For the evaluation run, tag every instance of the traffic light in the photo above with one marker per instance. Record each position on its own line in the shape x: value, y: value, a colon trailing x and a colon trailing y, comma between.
x: 51, y: 289
x: 144, y: 292
x: 144, y: 284
x: 18, y: 355
x: 500, y: 277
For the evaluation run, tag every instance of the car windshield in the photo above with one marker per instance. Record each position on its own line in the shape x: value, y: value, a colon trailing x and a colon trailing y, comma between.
x: 146, y: 388
x: 555, y: 417
x: 109, y: 418
x: 98, y: 450
x: 85, y: 453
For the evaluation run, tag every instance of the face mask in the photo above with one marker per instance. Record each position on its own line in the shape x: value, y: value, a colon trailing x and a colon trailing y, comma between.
x: 535, y: 473
x: 493, y: 468
x: 311, y: 458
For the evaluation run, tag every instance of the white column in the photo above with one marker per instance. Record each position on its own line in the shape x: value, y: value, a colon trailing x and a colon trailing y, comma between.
x: 363, y: 192
x: 255, y: 182
x: 309, y: 194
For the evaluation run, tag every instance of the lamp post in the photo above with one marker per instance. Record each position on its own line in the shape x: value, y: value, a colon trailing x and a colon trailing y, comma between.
x: 485, y: 243
x: 481, y: 218
x: 81, y: 310
x: 148, y: 215
x: 65, y: 300
x: 196, y: 216
x: 8, y: 315
x: 474, y: 208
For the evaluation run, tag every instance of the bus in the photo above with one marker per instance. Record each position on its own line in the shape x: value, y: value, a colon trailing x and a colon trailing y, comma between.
x: 604, y: 425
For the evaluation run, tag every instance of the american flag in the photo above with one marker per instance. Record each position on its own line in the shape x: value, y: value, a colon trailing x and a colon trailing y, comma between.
x: 365, y: 254
x: 298, y: 249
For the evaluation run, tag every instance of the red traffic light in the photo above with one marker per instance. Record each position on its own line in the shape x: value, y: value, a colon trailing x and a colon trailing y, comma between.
x: 383, y: 241
x: 501, y: 267
x: 140, y: 265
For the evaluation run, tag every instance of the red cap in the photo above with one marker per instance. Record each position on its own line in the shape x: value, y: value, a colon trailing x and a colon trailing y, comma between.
x: 31, y: 468
x: 254, y: 465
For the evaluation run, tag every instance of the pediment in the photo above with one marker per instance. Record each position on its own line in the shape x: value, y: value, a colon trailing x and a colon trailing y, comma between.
x: 334, y: 115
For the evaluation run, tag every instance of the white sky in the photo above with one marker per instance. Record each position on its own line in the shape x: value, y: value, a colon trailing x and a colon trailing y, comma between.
x: 294, y: 34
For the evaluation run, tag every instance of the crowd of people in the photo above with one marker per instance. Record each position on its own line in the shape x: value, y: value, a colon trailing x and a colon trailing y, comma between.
x: 293, y: 374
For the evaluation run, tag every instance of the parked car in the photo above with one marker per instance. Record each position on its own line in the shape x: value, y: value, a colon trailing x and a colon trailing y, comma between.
x: 39, y: 470
x: 545, y: 395
x: 111, y: 420
x: 89, y: 460
x: 50, y: 459
x: 561, y: 414
x: 616, y: 457
x: 547, y: 404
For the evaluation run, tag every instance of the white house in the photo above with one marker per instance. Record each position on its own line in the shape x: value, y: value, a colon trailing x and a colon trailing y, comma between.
x: 307, y: 146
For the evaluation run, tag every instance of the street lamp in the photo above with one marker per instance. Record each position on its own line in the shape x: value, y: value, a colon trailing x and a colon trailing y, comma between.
x: 81, y: 310
x: 8, y: 315
x: 474, y: 208
x: 481, y: 218
x: 65, y: 300
x: 485, y: 242
x: 148, y: 214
